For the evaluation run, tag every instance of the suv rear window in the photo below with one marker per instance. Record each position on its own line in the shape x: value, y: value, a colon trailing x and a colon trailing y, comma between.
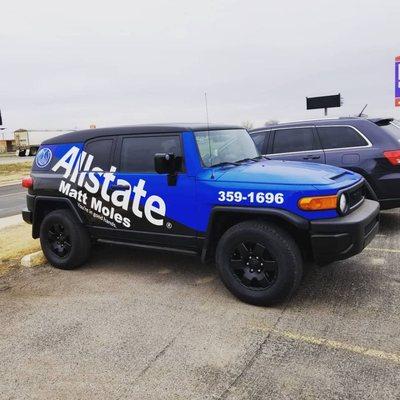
x: 292, y: 140
x: 338, y: 137
x: 393, y: 128
x: 137, y: 153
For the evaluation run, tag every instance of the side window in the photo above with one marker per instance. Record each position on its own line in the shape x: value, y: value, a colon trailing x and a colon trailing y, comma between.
x: 261, y: 139
x: 101, y: 150
x: 295, y: 139
x: 335, y: 137
x: 137, y: 152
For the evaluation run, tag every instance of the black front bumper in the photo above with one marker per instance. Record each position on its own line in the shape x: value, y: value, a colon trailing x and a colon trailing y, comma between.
x: 343, y: 237
x: 27, y: 216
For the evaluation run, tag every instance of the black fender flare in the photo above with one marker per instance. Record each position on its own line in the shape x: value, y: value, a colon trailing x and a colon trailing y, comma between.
x: 52, y: 200
x: 298, y: 222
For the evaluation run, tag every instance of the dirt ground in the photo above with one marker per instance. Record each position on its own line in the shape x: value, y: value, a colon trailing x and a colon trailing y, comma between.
x: 134, y: 324
x: 14, y: 171
x: 15, y: 242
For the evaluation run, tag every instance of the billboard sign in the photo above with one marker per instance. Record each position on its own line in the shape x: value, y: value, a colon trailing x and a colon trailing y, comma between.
x: 323, y: 102
x: 397, y: 81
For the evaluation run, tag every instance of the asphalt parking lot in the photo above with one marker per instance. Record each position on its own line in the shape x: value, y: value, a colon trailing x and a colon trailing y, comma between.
x: 144, y: 325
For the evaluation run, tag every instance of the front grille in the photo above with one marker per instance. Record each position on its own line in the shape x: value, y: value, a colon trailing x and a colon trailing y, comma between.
x: 356, y: 196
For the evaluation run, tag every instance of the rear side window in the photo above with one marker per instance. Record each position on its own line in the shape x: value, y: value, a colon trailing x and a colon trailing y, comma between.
x: 101, y: 150
x: 260, y: 140
x: 295, y: 139
x: 137, y: 153
x: 338, y: 137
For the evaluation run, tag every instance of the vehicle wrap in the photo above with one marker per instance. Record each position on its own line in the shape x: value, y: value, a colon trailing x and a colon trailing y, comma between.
x: 146, y: 202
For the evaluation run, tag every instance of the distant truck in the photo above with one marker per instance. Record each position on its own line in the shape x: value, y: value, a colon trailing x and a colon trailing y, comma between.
x: 27, y: 141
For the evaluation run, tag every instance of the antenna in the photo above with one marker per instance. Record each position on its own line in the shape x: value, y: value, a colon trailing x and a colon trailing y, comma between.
x: 208, y: 132
x: 361, y: 113
x: 205, y: 98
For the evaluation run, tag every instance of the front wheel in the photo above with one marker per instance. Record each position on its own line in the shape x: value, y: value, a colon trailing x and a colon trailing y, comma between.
x: 259, y: 262
x: 65, y: 242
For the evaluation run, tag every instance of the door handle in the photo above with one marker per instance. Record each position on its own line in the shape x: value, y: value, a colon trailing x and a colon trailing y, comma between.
x: 311, y: 157
x: 118, y: 187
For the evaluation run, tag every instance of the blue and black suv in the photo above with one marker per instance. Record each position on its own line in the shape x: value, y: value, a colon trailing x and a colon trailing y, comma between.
x: 200, y: 190
x: 370, y: 147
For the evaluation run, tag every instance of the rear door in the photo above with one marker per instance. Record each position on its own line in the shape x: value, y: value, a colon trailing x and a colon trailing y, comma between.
x: 296, y: 144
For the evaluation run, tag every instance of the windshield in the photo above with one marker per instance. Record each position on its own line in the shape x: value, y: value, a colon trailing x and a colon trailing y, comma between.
x: 393, y: 128
x: 227, y: 146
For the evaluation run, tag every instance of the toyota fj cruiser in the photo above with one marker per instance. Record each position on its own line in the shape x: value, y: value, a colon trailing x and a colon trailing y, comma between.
x: 196, y: 189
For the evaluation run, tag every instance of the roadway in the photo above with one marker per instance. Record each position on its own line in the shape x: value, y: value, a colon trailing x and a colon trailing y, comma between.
x: 12, y: 200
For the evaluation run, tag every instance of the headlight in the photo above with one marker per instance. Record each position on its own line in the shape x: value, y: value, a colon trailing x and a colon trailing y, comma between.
x: 343, y: 203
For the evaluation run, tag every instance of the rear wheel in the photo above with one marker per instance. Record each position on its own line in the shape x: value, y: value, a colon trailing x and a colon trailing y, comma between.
x: 259, y: 262
x: 65, y: 242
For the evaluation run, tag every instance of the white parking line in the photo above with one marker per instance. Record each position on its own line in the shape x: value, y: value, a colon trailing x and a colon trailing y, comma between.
x: 386, y: 250
x: 333, y: 344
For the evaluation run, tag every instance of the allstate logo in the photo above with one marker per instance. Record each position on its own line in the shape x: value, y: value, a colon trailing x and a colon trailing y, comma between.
x: 43, y: 157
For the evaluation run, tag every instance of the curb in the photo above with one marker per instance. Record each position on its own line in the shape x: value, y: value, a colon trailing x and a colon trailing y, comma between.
x: 33, y: 259
x: 13, y: 220
x: 11, y: 183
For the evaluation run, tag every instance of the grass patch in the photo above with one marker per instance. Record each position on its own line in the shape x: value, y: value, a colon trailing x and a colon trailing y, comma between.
x: 15, y: 242
x: 14, y: 171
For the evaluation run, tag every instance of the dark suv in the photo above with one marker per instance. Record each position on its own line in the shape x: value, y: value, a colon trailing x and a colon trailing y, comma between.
x: 370, y: 147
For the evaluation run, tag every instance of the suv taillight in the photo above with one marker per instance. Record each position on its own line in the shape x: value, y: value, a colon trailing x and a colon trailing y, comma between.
x: 27, y: 182
x: 393, y: 156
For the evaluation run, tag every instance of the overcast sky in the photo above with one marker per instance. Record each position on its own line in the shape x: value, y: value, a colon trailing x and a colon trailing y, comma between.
x: 70, y: 64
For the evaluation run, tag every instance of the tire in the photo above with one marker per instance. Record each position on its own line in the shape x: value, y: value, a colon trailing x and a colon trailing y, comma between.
x: 65, y: 242
x: 269, y: 279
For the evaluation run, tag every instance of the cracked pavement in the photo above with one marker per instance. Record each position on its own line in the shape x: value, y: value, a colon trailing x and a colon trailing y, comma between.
x: 143, y: 325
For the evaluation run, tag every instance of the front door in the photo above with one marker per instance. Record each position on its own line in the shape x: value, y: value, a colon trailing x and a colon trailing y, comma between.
x: 154, y: 209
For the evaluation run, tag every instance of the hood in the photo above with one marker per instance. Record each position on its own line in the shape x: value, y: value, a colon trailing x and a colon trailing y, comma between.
x: 285, y: 173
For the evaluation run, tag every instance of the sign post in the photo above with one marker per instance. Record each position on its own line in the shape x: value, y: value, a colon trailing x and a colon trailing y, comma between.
x: 397, y: 81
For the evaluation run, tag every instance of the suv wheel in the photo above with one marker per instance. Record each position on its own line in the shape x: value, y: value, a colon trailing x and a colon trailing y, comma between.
x: 259, y: 262
x: 65, y: 242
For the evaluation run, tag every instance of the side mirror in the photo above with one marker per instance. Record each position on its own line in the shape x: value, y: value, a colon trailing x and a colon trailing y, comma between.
x: 167, y: 163
x: 164, y: 163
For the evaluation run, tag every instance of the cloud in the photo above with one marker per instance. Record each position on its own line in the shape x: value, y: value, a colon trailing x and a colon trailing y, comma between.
x: 124, y: 62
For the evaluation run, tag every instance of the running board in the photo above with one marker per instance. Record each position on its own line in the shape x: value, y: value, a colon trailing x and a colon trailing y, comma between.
x: 150, y: 247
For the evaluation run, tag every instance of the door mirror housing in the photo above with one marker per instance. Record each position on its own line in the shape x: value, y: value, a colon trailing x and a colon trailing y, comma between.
x: 167, y: 163
x: 164, y: 163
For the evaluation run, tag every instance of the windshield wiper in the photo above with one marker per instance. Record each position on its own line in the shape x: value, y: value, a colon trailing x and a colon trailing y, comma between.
x: 261, y: 158
x: 224, y: 163
x: 245, y: 160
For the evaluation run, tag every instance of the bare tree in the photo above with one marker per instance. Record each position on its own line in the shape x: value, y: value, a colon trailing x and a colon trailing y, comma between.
x: 247, y: 125
x: 271, y: 122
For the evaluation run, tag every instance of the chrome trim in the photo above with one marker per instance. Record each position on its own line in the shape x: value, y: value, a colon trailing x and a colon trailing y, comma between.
x: 323, y: 150
x: 292, y: 127
x: 294, y: 152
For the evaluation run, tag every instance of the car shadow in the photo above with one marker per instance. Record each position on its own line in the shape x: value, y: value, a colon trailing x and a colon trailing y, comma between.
x: 135, y: 260
x: 389, y: 222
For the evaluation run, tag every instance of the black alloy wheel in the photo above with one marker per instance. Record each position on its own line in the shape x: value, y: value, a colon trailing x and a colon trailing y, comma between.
x: 253, y: 265
x: 59, y: 239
